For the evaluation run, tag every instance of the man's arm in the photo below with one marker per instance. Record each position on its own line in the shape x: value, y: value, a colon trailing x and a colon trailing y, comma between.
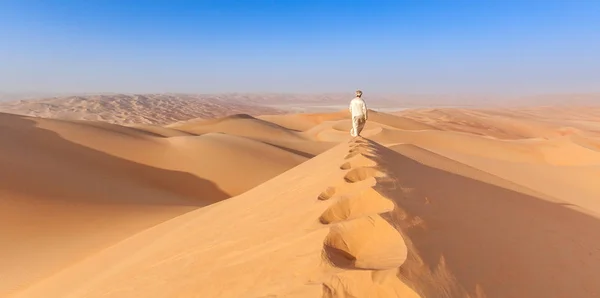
x: 365, y: 111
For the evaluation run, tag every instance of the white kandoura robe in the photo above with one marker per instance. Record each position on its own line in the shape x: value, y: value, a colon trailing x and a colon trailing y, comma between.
x: 358, y: 109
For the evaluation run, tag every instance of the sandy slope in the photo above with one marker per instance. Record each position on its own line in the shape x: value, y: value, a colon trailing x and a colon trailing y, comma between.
x: 71, y: 188
x: 431, y: 203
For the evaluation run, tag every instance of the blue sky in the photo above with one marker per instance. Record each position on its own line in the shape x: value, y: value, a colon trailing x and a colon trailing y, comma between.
x: 419, y: 46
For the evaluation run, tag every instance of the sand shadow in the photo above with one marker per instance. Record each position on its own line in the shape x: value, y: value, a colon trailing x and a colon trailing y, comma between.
x: 294, y: 151
x: 62, y: 201
x: 338, y: 258
x: 327, y: 194
x: 491, y: 239
x: 51, y: 163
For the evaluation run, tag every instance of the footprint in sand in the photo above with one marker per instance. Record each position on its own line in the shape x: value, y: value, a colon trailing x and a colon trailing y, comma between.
x: 365, y: 243
x: 346, y: 166
x: 367, y: 202
x: 359, y: 161
x: 358, y: 140
x: 363, y: 173
x: 352, y: 154
x: 327, y: 194
x: 362, y: 150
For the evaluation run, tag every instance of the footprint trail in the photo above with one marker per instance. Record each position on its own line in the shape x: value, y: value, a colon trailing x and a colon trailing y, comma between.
x: 361, y: 243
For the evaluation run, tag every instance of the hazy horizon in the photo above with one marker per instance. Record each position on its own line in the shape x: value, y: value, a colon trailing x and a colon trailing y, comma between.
x: 384, y: 47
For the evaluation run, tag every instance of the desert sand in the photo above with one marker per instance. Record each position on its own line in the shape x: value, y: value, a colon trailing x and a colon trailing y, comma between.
x: 128, y: 109
x: 427, y: 203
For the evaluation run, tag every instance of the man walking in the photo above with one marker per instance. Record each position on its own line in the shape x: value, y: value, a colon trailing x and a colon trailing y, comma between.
x: 358, y: 109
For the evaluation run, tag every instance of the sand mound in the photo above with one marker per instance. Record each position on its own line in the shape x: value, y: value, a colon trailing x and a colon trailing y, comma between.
x: 365, y: 203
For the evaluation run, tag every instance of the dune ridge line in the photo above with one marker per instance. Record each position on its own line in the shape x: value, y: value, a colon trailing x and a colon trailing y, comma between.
x: 359, y: 237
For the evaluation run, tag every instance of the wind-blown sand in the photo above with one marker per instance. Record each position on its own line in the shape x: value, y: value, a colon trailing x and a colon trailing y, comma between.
x: 428, y: 203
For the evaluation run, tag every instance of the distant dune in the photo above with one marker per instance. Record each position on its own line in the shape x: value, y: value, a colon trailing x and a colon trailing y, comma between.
x: 133, y: 109
x: 431, y: 202
x: 167, y: 108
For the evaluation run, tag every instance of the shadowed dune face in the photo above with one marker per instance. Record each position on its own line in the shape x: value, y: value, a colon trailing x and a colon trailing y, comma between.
x: 51, y: 156
x: 76, y: 196
x: 513, y: 243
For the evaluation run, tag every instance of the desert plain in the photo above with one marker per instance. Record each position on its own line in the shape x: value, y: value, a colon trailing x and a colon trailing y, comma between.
x: 162, y: 196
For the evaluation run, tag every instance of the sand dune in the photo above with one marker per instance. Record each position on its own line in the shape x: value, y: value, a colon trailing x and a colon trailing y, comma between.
x: 429, y: 203
x: 134, y: 108
x: 303, y: 122
x: 92, y: 184
x: 514, y: 243
x: 240, y: 125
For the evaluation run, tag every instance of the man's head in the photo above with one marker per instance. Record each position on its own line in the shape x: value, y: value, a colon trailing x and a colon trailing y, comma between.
x: 358, y: 93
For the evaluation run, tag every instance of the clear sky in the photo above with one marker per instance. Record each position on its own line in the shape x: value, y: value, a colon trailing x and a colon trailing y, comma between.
x: 419, y: 46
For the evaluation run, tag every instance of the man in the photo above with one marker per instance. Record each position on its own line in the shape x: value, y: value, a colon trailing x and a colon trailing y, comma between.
x: 358, y: 109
